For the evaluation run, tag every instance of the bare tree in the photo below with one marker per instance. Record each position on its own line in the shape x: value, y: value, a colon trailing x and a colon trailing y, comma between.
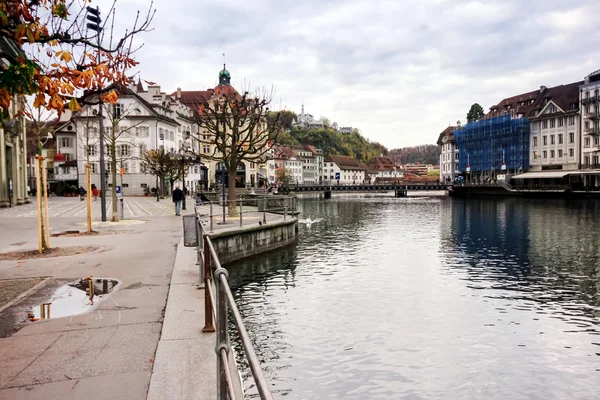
x: 237, y: 128
x: 120, y: 146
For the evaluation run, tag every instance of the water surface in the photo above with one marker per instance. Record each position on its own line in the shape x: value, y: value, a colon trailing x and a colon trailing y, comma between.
x: 429, y: 298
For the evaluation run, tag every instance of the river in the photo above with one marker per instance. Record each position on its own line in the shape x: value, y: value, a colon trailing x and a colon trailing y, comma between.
x: 429, y: 298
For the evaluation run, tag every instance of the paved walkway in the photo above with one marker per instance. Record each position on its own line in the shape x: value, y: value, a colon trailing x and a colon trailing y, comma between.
x: 105, y: 354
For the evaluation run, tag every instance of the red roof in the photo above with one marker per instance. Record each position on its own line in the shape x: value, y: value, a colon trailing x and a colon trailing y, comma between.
x: 346, y: 162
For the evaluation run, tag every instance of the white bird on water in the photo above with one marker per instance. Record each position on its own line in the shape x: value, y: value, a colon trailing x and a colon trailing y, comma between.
x: 309, y: 221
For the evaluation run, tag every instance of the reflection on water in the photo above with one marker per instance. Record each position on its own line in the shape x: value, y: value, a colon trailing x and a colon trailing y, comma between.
x: 74, y: 298
x: 429, y: 299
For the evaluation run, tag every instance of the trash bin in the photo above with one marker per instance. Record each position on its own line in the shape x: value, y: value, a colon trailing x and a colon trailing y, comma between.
x: 190, y: 238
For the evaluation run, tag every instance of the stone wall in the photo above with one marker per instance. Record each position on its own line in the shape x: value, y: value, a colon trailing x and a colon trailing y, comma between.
x: 237, y: 244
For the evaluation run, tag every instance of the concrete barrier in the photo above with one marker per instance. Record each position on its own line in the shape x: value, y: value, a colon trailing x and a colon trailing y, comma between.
x: 237, y: 244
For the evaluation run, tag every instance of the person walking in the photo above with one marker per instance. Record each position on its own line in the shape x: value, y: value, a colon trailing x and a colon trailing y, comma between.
x: 95, y: 193
x: 81, y: 193
x: 177, y: 199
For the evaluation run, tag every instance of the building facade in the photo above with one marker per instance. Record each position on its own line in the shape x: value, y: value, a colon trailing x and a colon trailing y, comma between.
x: 448, y: 154
x: 589, y: 98
x: 343, y: 170
x: 13, y: 142
x: 555, y: 139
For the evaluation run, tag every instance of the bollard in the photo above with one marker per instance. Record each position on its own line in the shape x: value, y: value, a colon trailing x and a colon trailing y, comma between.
x: 91, y: 286
x: 105, y: 286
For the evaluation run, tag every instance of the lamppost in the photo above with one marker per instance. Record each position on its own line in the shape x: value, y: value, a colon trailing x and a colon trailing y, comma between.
x: 184, y: 158
x: 223, y: 188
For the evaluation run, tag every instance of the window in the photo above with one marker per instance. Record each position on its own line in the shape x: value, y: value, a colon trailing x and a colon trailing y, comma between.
x: 552, y: 123
x: 195, y: 169
x: 587, y: 108
x: 68, y: 157
x: 560, y: 138
x: 571, y: 152
x: 117, y: 110
x: 551, y: 139
x: 544, y: 140
x: 551, y: 153
x: 571, y: 120
x: 142, y: 131
x: 571, y: 137
x: 560, y: 122
x: 91, y: 150
x: 206, y: 148
x: 93, y: 168
x: 596, y: 141
x: 586, y: 142
x: 534, y: 126
x: 587, y: 125
x: 143, y: 148
x: 586, y: 160
x: 535, y: 141
x: 560, y: 153
x: 123, y: 150
x: 161, y: 134
x: 545, y: 153
x: 65, y: 142
x: 544, y: 124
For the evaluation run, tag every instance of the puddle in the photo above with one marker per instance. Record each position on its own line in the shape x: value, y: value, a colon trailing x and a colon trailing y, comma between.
x: 73, y: 298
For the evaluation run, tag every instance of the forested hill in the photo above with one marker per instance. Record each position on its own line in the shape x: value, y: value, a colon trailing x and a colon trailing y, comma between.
x: 333, y: 142
x: 424, y: 154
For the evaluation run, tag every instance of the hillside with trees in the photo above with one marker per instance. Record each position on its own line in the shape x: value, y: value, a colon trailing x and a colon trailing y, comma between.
x: 424, y: 154
x: 327, y: 139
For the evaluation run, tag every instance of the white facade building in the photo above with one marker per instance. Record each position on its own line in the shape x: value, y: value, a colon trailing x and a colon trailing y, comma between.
x: 448, y: 154
x: 555, y: 138
x: 590, y: 111
x: 343, y: 170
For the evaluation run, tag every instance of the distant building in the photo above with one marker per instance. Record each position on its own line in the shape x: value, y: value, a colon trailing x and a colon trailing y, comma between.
x: 305, y: 120
x: 590, y: 111
x: 345, y: 129
x: 417, y: 169
x: 448, y: 154
x: 554, y: 125
x: 343, y: 170
x: 383, y: 168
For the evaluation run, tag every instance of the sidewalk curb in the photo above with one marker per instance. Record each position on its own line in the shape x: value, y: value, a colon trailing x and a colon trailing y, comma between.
x: 24, y: 294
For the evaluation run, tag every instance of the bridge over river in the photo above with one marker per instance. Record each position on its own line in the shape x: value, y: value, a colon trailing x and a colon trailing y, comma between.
x: 400, y: 189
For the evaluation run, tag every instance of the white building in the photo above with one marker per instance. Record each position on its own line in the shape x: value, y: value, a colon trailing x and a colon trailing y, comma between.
x: 448, y: 154
x: 555, y: 138
x: 590, y: 111
x: 138, y: 125
x: 308, y: 121
x: 343, y: 170
x: 383, y: 169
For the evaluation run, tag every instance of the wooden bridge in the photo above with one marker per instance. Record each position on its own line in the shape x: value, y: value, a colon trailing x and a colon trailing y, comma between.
x: 400, y: 189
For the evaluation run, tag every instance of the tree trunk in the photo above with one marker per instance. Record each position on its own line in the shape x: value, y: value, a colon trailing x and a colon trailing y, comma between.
x: 231, y: 195
x: 113, y: 173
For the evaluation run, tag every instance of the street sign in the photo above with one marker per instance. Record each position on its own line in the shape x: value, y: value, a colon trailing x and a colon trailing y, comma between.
x: 337, y: 176
x: 503, y: 167
x: 468, y: 168
x: 118, y: 191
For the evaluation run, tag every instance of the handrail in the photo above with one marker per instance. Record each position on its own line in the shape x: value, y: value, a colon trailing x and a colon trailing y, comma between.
x: 216, y: 309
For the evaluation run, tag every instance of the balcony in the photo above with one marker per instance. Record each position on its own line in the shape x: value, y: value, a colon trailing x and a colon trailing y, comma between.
x: 593, y: 115
x: 595, y: 130
x: 589, y: 100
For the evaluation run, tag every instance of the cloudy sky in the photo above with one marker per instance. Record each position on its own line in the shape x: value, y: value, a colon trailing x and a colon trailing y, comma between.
x: 400, y: 71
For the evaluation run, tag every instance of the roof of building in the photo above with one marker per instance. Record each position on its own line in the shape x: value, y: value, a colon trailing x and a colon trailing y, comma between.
x: 194, y: 98
x: 519, y: 104
x: 448, y: 133
x: 346, y: 162
x: 563, y: 96
x: 381, y: 163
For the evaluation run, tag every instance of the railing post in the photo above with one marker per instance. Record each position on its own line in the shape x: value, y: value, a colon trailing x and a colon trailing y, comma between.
x: 211, y: 217
x: 285, y: 208
x: 241, y: 208
x: 265, y: 212
x: 222, y: 334
x: 209, y: 325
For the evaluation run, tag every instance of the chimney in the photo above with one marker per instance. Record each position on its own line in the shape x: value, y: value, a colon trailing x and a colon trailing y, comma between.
x: 178, y: 92
x: 542, y: 88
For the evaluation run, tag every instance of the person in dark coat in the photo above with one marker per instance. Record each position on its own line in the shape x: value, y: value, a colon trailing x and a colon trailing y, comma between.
x: 82, y: 193
x: 177, y: 199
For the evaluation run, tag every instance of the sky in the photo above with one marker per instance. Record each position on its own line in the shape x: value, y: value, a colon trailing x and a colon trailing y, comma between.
x: 399, y: 71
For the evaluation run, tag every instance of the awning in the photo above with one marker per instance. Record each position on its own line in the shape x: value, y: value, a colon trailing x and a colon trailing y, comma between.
x: 543, y: 175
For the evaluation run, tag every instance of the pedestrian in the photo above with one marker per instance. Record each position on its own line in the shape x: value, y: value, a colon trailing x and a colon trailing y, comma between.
x: 81, y: 193
x: 177, y: 198
x: 95, y: 193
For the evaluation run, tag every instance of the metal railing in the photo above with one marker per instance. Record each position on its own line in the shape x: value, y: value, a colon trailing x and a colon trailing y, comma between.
x: 243, y: 208
x: 218, y: 302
